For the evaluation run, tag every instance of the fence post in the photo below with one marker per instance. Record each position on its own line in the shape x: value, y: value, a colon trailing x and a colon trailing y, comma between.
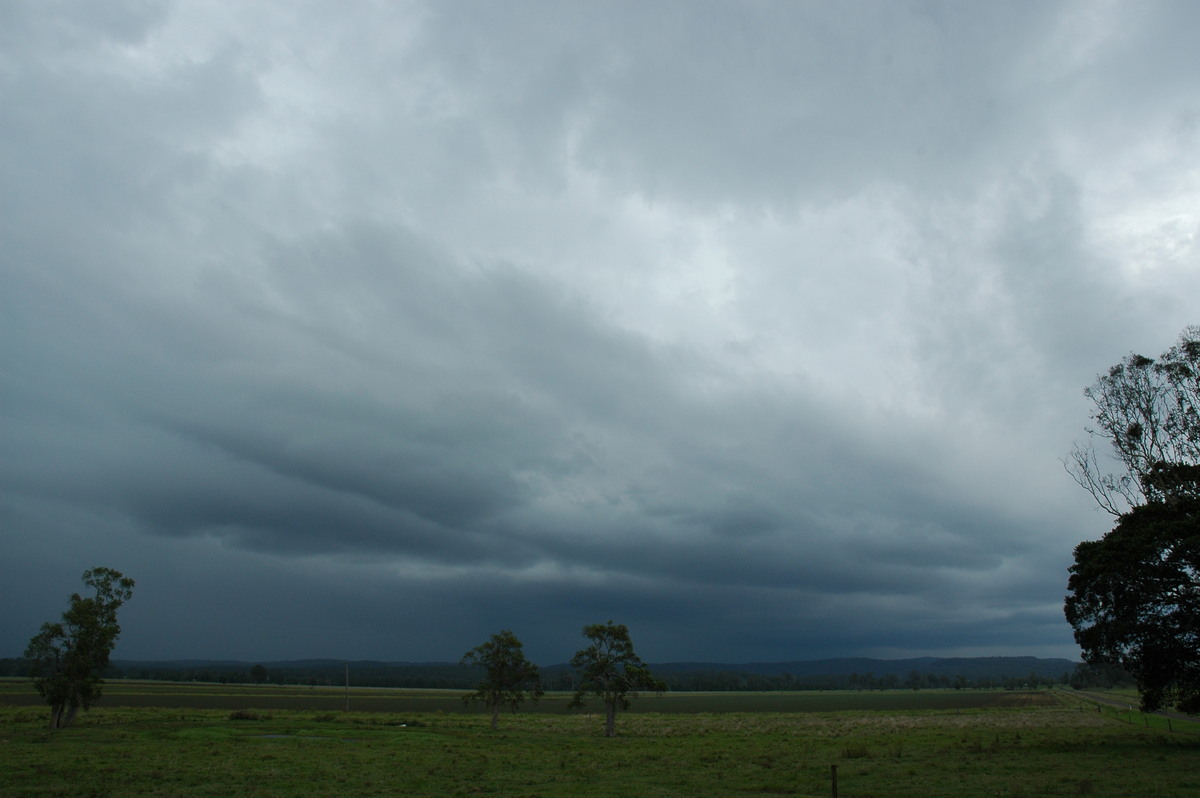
x: 833, y: 779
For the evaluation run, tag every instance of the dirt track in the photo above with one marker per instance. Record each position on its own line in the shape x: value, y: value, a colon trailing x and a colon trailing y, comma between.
x: 1125, y: 704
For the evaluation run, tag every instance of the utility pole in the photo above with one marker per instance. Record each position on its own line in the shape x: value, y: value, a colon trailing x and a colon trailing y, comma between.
x: 347, y: 685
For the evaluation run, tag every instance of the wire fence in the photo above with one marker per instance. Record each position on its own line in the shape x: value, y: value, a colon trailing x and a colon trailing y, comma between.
x: 1110, y: 706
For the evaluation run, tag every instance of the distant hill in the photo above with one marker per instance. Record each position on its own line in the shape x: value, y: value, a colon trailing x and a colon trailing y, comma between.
x: 996, y: 668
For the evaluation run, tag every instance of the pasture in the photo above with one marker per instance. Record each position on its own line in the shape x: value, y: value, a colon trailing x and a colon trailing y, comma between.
x: 154, y: 739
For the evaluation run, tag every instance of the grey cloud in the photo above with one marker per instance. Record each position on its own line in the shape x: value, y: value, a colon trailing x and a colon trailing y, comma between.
x: 718, y: 102
x: 760, y: 329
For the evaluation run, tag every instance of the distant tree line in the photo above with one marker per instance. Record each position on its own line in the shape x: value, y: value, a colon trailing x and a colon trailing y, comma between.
x: 452, y: 676
x: 1101, y: 677
x: 428, y: 676
x: 735, y: 681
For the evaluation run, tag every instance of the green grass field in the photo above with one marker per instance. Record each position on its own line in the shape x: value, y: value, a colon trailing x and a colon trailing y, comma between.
x: 153, y: 739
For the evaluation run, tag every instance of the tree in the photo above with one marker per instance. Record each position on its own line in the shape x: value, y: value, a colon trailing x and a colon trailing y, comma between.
x: 508, y: 677
x: 1134, y: 595
x: 1135, y: 599
x: 1149, y: 410
x: 610, y: 670
x: 69, y: 656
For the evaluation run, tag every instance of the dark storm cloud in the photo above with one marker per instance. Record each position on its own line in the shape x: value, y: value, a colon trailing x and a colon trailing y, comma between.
x: 759, y: 328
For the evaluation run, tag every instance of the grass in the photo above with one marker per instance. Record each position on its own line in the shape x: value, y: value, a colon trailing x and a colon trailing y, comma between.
x: 1036, y: 745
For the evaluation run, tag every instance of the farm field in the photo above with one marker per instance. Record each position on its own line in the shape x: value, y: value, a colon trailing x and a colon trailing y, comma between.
x: 210, y: 740
x: 19, y: 692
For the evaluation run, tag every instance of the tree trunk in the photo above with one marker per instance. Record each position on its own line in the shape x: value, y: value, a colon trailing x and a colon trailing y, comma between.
x: 495, y: 717
x: 610, y: 720
x: 72, y: 711
x: 56, y: 716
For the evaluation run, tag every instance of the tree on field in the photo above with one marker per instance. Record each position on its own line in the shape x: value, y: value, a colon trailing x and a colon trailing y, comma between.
x: 68, y: 657
x: 258, y: 674
x: 1134, y: 597
x: 611, y: 671
x: 1149, y: 411
x: 509, y: 678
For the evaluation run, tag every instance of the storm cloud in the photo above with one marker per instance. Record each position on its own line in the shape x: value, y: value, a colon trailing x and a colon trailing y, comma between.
x: 366, y: 330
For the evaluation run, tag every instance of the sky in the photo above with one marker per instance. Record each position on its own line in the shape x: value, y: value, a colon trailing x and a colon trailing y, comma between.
x: 367, y: 329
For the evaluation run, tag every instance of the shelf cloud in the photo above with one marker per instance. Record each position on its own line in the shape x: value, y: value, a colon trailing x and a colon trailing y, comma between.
x: 366, y: 331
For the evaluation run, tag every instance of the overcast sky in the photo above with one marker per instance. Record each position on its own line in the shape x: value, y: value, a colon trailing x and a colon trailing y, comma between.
x: 367, y: 329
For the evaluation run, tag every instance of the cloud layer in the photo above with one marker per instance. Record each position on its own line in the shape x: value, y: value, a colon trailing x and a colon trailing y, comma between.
x: 369, y: 330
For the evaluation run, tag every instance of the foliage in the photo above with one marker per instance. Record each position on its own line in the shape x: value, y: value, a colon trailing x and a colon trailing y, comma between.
x: 70, y: 656
x: 1149, y: 411
x: 508, y: 677
x: 1099, y: 676
x: 610, y: 670
x: 1135, y: 599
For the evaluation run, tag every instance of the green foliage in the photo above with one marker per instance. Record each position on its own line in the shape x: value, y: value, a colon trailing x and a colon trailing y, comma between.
x: 509, y: 678
x: 611, y: 671
x: 68, y: 657
x: 1135, y: 601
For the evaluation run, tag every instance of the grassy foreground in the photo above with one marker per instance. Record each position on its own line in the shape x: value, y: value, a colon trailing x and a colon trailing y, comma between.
x: 1033, y: 744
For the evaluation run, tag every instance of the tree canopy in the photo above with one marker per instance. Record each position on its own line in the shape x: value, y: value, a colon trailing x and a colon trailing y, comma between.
x: 610, y: 670
x: 69, y: 656
x: 1135, y: 600
x: 1149, y: 412
x: 509, y: 678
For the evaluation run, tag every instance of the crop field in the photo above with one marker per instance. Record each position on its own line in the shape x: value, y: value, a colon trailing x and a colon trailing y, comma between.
x: 154, y: 739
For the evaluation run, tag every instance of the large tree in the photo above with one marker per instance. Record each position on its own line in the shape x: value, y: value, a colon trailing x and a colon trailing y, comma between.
x: 611, y: 671
x: 508, y: 679
x: 69, y: 656
x: 1135, y: 593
